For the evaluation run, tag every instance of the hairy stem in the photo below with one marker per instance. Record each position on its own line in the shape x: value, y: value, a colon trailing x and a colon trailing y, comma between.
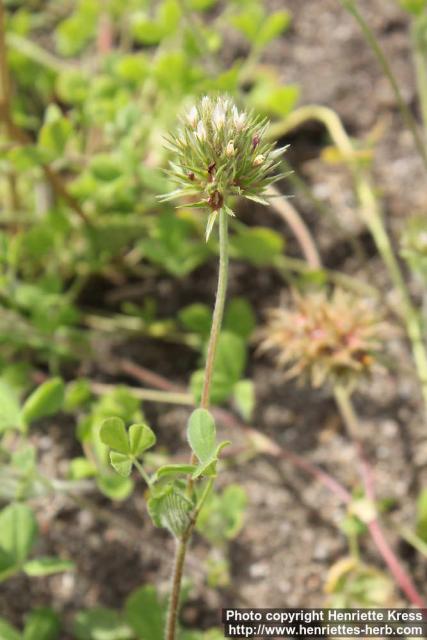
x: 218, y: 310
x: 351, y: 422
x: 182, y: 543
x: 177, y: 574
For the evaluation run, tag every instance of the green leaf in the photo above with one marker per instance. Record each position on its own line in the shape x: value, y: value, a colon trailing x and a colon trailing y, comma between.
x: 121, y: 463
x: 416, y: 7
x: 113, y: 434
x: 101, y: 624
x: 10, y: 414
x: 229, y: 365
x: 25, y: 158
x: 202, y: 5
x: 196, y: 317
x: 42, y: 624
x: 173, y: 243
x: 221, y: 387
x: 141, y: 438
x: 77, y: 394
x: 248, y: 22
x: 170, y: 16
x: 55, y: 133
x: 259, y: 245
x: 201, y: 434
x: 244, y: 398
x: 146, y: 613
x: 208, y: 467
x: 144, y: 30
x: 132, y: 67
x: 106, y: 167
x: 272, y: 27
x: 18, y: 531
x: 239, y: 318
x: 47, y: 566
x: 222, y: 516
x: 115, y: 487
x: 7, y: 632
x: 230, y: 357
x: 81, y: 468
x: 174, y: 470
x: 8, y: 566
x: 279, y: 101
x: 72, y: 86
x: 170, y: 509
x: 45, y: 401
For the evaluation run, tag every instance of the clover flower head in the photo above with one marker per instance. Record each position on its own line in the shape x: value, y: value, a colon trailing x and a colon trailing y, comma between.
x: 329, y: 340
x: 221, y: 152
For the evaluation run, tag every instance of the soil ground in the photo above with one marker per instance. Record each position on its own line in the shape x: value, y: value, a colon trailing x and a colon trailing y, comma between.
x: 291, y: 535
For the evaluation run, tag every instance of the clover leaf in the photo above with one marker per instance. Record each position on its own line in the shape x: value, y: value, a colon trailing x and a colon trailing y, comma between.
x: 126, y: 446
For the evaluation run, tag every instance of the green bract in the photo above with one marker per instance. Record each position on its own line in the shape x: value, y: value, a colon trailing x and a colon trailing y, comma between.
x: 221, y: 152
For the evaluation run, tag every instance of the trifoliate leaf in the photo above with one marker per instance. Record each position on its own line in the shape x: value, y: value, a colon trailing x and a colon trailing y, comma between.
x: 141, y: 438
x: 121, y: 463
x: 113, y: 434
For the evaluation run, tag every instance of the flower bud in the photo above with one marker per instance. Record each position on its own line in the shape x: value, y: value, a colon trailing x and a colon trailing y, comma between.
x: 230, y: 150
x: 192, y: 117
x: 239, y: 119
x: 259, y: 159
x: 218, y: 116
x: 201, y: 131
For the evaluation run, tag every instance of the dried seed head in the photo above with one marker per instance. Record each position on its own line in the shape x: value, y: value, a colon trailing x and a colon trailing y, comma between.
x: 332, y: 340
x: 215, y: 144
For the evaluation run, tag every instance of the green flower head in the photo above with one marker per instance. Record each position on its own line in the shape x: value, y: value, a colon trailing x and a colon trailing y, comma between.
x: 221, y: 152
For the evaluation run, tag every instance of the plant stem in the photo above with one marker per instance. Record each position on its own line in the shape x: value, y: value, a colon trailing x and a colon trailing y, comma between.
x: 177, y: 574
x: 148, y: 395
x: 372, y: 41
x: 345, y: 406
x: 142, y: 472
x: 218, y: 310
x: 182, y: 543
x: 291, y: 216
